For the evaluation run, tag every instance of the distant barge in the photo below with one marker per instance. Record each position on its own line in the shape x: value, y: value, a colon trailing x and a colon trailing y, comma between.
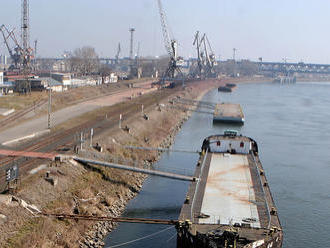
x: 227, y: 88
x: 230, y: 203
x: 228, y: 113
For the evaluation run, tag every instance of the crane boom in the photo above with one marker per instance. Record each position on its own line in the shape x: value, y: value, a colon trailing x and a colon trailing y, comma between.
x: 166, y: 36
x: 171, y: 48
x: 15, y: 52
x: 203, y: 40
x: 6, y: 39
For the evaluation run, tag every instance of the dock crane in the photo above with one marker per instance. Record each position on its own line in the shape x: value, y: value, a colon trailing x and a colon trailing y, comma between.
x: 118, y: 53
x: 199, y: 69
x: 21, y: 54
x: 210, y: 60
x: 170, y: 46
x: 14, y: 50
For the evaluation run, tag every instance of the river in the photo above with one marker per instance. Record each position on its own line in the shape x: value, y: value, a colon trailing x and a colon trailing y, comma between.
x: 291, y: 126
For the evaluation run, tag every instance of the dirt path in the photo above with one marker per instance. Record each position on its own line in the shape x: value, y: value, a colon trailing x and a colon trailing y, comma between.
x: 40, y: 124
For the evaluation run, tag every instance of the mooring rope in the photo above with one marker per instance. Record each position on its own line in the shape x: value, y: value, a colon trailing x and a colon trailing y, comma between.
x: 138, y: 239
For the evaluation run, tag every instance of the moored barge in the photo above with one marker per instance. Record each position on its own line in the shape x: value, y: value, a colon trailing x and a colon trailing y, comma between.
x: 230, y: 203
x: 225, y: 89
x: 228, y: 113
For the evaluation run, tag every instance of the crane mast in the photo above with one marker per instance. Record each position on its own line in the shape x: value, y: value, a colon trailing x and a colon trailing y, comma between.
x: 118, y: 53
x: 27, y: 51
x: 199, y: 68
x: 210, y: 61
x: 170, y: 46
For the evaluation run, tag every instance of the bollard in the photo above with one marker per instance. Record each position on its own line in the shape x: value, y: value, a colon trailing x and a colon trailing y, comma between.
x: 120, y: 118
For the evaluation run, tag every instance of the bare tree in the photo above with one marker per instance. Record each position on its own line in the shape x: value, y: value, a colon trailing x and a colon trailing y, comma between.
x: 84, y: 61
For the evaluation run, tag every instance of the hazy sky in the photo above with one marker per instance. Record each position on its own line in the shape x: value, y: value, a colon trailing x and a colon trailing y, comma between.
x: 272, y: 29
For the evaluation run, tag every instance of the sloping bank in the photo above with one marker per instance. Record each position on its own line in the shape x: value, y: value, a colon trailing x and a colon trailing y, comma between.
x: 158, y: 131
x: 93, y: 190
x: 164, y: 138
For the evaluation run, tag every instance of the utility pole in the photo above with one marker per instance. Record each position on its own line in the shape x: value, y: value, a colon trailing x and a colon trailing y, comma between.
x: 132, y: 30
x: 234, y: 53
x: 35, y: 54
x: 234, y: 59
x: 49, y: 107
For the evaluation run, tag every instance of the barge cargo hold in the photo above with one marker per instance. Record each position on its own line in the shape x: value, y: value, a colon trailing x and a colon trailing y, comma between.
x: 230, y: 205
x: 228, y: 113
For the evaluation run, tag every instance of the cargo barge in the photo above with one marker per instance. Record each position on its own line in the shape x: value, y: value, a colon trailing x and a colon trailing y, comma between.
x: 225, y: 89
x: 231, y: 85
x: 228, y: 113
x: 230, y: 203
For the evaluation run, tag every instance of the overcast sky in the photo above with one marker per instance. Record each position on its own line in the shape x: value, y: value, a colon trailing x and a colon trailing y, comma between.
x: 273, y: 29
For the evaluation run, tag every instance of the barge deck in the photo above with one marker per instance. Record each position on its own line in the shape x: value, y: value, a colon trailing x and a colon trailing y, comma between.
x: 228, y: 113
x: 231, y: 202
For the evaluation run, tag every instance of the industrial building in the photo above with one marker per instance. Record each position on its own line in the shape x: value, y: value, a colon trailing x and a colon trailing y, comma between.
x: 5, y: 87
x: 41, y: 84
x: 64, y: 78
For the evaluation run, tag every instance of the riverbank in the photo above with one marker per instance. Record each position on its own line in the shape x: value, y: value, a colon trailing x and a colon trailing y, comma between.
x: 95, y: 236
x: 92, y: 190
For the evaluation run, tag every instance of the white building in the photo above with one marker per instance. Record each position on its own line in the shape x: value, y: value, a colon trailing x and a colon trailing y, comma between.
x: 64, y: 78
x: 1, y: 77
x: 3, y: 59
x: 113, y: 78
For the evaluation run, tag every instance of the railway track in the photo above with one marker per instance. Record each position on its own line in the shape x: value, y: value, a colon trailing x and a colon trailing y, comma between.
x: 64, y: 139
x: 21, y: 113
x: 15, y: 116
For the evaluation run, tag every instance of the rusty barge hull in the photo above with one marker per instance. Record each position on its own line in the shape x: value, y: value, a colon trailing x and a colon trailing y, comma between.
x: 230, y: 205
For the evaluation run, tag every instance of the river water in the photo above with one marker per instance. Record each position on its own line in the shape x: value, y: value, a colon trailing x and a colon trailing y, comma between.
x: 291, y: 126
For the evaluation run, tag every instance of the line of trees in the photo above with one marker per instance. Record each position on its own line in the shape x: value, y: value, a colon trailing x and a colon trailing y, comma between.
x: 84, y: 61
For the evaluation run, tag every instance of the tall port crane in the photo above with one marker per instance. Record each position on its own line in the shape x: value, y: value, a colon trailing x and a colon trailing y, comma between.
x: 199, y: 68
x: 210, y: 59
x: 14, y: 49
x: 21, y: 54
x: 118, y: 53
x: 170, y: 46
x: 27, y: 51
